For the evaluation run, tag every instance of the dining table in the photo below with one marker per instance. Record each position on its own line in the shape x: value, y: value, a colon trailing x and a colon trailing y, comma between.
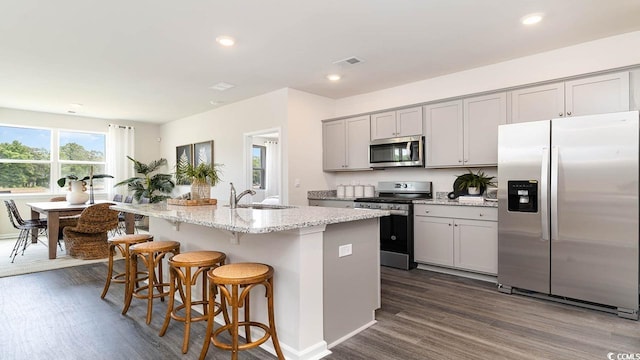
x: 54, y: 210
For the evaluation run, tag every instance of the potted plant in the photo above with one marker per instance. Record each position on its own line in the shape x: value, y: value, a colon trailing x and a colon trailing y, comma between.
x: 77, y: 187
x: 202, y: 177
x: 149, y: 185
x: 474, y: 183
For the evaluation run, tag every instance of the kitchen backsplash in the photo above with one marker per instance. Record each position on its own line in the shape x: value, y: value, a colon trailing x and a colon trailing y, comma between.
x: 442, y: 179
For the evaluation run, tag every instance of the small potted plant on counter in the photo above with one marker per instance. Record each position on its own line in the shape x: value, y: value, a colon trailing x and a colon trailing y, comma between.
x: 474, y: 183
x: 202, y: 177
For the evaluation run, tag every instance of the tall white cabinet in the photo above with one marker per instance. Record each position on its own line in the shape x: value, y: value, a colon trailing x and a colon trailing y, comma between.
x: 585, y: 96
x: 464, y: 132
x: 345, y: 144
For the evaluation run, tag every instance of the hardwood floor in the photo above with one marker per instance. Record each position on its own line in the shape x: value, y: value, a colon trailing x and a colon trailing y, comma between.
x: 427, y: 315
x: 59, y: 315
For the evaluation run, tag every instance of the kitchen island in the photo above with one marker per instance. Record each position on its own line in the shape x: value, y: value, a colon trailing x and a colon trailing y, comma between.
x: 321, y: 298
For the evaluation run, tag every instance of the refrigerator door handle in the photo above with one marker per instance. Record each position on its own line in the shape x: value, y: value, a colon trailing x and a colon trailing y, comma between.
x: 544, y: 194
x: 554, y: 193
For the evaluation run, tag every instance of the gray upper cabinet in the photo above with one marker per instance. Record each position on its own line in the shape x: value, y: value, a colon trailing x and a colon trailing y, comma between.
x: 390, y: 124
x: 444, y: 134
x: 597, y: 94
x: 482, y: 116
x: 537, y: 103
x: 587, y: 96
x: 464, y: 132
x: 345, y: 144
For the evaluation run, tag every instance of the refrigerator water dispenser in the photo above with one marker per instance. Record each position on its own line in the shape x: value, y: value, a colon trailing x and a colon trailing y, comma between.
x: 522, y: 195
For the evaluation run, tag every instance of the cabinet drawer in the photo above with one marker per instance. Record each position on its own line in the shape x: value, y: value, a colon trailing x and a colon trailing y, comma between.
x: 458, y: 212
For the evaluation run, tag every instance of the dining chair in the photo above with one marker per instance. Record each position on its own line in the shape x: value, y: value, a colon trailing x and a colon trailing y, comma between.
x: 120, y: 230
x: 25, y: 227
x: 64, y: 221
x: 88, y: 239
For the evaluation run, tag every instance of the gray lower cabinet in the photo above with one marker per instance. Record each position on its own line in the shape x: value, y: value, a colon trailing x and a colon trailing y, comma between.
x: 459, y: 237
x: 332, y: 203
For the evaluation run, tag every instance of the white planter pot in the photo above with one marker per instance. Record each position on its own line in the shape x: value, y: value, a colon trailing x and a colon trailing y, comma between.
x: 473, y: 190
x: 77, y: 195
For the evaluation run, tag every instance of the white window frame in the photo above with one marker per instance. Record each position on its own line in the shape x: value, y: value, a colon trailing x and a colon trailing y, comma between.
x: 55, y: 163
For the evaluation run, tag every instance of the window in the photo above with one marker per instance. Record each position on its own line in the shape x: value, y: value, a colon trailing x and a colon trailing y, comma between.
x: 28, y: 164
x: 258, y: 159
x: 79, y: 152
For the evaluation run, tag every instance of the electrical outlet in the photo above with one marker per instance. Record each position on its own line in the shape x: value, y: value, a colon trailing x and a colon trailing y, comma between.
x: 345, y: 250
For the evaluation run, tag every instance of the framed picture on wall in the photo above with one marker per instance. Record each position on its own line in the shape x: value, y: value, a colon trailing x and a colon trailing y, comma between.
x: 184, y: 156
x: 203, y: 153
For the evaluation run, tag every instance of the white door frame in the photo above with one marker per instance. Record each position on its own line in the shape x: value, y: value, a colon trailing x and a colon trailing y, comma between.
x: 248, y: 143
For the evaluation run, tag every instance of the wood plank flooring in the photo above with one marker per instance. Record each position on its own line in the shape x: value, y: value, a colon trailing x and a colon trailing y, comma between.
x: 426, y: 315
x: 59, y: 315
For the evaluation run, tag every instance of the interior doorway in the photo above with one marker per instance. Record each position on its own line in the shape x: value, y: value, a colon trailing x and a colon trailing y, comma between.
x: 263, y: 165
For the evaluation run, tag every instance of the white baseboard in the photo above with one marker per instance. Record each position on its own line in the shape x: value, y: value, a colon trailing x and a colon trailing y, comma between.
x: 471, y: 275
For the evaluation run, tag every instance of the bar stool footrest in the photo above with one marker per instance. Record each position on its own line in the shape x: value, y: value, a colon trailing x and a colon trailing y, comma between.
x: 245, y: 346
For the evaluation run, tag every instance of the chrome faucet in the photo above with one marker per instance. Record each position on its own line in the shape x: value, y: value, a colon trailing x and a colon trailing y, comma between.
x: 233, y: 199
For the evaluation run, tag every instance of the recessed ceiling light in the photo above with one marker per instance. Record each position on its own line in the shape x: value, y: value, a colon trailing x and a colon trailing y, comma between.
x: 225, y: 40
x: 76, y: 105
x: 532, y: 19
x: 333, y: 77
x: 216, y: 103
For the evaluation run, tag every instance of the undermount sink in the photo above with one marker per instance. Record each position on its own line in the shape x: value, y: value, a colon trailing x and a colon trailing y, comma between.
x: 263, y: 206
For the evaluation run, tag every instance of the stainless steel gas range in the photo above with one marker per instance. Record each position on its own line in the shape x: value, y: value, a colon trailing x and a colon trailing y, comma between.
x: 396, y: 231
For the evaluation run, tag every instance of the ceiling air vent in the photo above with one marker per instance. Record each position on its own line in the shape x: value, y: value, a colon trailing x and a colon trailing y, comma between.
x: 222, y: 86
x: 349, y: 61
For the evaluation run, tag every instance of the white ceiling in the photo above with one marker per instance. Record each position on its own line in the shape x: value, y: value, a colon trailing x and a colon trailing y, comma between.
x: 154, y: 60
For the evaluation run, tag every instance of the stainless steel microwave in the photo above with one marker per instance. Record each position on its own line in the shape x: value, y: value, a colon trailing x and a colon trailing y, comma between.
x: 395, y: 152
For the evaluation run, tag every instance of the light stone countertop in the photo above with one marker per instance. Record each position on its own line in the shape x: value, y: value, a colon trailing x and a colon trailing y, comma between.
x: 251, y: 221
x: 455, y: 203
x: 331, y: 195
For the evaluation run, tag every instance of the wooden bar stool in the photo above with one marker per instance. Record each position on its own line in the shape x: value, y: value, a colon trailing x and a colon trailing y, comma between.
x: 182, y: 278
x: 151, y: 253
x: 122, y: 243
x: 241, y: 276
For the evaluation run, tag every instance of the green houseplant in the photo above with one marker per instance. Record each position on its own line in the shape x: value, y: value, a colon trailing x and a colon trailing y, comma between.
x: 474, y: 183
x: 77, y: 186
x: 149, y: 185
x: 202, y: 177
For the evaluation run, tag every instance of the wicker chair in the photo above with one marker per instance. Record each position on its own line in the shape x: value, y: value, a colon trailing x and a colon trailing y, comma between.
x: 88, y: 239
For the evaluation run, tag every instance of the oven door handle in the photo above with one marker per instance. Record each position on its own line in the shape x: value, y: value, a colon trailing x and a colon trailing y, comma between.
x: 399, y: 212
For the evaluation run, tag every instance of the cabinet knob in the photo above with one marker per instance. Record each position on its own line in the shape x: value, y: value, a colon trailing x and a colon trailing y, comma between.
x: 455, y: 225
x: 449, y: 224
x: 560, y: 114
x: 460, y: 161
x: 481, y: 214
x: 568, y: 112
x: 426, y: 211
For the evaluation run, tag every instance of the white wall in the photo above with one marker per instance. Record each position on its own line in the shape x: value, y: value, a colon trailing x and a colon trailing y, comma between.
x: 296, y: 113
x: 603, y: 54
x: 147, y: 145
x: 305, y: 144
x: 226, y: 126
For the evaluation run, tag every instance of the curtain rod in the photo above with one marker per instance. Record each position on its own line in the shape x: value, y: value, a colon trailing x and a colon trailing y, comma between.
x: 121, y: 126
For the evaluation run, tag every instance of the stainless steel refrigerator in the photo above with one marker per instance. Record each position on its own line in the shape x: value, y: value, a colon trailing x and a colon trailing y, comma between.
x: 568, y: 210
